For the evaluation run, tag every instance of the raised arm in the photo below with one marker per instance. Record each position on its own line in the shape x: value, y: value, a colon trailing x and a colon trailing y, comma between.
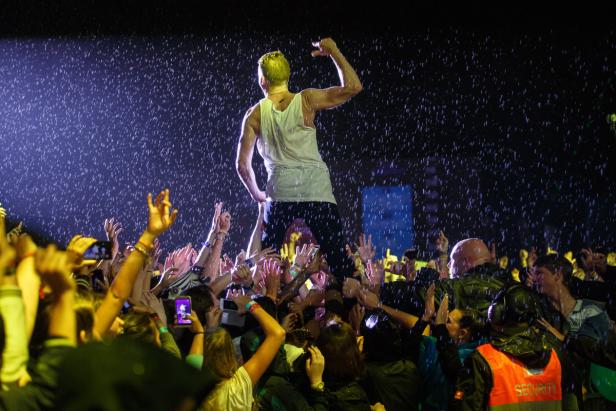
x: 350, y: 85
x: 274, y: 337
x: 161, y: 218
x: 245, y: 150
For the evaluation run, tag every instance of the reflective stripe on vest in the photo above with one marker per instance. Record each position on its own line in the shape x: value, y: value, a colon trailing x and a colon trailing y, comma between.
x: 519, y: 388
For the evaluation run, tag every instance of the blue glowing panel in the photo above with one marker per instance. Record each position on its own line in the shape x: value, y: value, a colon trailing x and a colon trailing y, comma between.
x: 388, y: 217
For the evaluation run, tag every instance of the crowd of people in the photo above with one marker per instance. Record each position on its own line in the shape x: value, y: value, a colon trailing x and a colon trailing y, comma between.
x: 280, y: 331
x: 297, y: 321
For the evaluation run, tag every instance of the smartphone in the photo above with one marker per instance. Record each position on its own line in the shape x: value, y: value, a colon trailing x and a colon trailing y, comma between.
x: 314, y: 251
x: 100, y: 250
x: 305, y: 288
x: 182, y: 311
x: 230, y: 314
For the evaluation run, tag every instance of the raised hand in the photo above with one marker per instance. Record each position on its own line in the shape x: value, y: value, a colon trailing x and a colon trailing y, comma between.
x: 216, y: 217
x: 375, y: 272
x: 304, y: 255
x: 325, y: 47
x: 13, y: 235
x: 271, y: 277
x: 369, y: 299
x: 443, y: 311
x: 154, y: 304
x: 429, y: 309
x: 239, y: 299
x: 365, y: 249
x: 587, y: 260
x: 532, y: 258
x: 112, y: 230
x: 442, y: 243
x: 226, y: 264
x: 54, y: 267
x: 161, y: 217
x: 167, y: 277
x: 290, y: 322
x: 351, y: 288
x: 224, y: 222
x: 266, y: 253
x: 241, y: 275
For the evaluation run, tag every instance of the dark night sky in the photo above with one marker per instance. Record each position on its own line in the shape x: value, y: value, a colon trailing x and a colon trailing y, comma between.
x: 102, y: 103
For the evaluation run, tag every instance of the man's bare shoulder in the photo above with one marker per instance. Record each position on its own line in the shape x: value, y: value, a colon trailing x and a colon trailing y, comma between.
x: 253, y: 116
x: 253, y: 112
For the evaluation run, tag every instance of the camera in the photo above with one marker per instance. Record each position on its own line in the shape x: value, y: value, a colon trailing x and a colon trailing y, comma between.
x: 230, y: 314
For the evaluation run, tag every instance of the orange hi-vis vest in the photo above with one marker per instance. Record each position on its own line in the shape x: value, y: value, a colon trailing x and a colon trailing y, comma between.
x: 519, y: 388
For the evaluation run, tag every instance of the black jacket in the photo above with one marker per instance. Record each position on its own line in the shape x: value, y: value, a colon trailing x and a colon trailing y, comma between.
x: 476, y: 288
x: 395, y: 384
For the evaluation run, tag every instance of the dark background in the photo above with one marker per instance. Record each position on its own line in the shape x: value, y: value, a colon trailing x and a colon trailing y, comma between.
x: 494, y: 114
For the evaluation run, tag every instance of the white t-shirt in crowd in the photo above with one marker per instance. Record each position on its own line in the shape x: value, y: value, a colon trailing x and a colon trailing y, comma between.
x: 234, y: 394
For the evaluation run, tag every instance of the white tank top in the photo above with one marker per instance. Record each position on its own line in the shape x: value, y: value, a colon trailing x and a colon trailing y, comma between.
x: 295, y: 170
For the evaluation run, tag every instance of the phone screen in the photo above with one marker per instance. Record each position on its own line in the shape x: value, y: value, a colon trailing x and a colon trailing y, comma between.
x: 307, y: 286
x: 182, y: 310
x: 100, y: 250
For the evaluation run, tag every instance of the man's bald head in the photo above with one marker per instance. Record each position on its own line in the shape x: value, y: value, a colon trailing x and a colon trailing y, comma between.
x: 467, y: 254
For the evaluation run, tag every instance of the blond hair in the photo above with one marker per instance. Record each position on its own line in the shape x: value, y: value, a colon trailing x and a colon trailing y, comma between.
x: 219, y: 354
x: 275, y: 68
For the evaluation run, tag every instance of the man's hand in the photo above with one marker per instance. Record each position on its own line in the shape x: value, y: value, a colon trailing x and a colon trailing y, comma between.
x: 325, y: 47
x: 161, y: 216
x: 259, y: 197
x: 442, y: 243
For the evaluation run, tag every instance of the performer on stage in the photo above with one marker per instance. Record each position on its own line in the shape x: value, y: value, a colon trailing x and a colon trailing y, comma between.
x: 298, y: 183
